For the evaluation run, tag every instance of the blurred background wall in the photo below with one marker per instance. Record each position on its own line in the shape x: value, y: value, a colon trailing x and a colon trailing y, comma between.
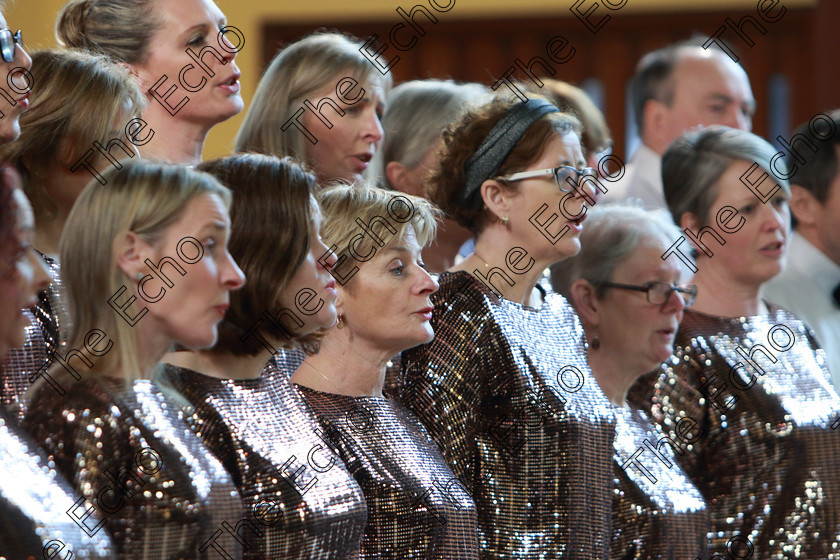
x: 794, y: 66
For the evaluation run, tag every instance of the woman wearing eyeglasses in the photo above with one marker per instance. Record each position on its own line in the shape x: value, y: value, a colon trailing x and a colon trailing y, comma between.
x: 504, y: 387
x: 631, y: 302
x: 15, y: 72
x: 749, y: 373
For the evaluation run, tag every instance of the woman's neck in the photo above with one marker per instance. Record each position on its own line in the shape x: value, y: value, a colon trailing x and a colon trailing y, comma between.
x: 441, y: 254
x: 491, y: 255
x: 48, y: 232
x: 615, y: 374
x: 174, y: 141
x: 718, y: 295
x: 341, y: 367
x: 219, y: 365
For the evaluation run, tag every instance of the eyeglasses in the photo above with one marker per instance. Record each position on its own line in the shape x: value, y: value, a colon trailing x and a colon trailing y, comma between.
x: 659, y: 292
x: 8, y: 42
x: 562, y: 176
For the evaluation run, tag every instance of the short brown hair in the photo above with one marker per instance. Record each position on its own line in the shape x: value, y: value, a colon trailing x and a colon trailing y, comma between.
x: 271, y: 226
x: 462, y: 139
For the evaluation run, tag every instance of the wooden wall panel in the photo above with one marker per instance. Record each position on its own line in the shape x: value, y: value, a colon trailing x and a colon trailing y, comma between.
x: 480, y: 50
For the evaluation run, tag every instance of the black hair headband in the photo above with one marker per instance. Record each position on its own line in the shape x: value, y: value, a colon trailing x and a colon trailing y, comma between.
x: 495, y: 149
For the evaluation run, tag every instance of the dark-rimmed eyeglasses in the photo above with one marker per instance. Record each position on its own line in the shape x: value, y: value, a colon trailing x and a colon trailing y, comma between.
x: 8, y: 40
x: 565, y: 176
x: 659, y: 292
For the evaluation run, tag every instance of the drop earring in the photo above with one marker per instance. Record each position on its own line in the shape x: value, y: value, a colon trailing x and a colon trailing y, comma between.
x: 339, y: 324
x: 505, y: 220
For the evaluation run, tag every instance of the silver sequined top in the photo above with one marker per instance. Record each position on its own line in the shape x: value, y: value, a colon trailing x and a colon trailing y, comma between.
x: 159, y: 492
x: 298, y: 495
x: 506, y: 392
x: 658, y: 513
x: 766, y: 458
x: 416, y: 507
x: 34, y: 505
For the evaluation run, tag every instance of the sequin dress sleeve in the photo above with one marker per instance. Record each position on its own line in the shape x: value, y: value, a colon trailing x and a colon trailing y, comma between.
x: 658, y: 513
x: 302, y: 503
x: 157, y: 490
x: 416, y: 507
x: 766, y: 456
x: 34, y: 501
x: 507, y: 394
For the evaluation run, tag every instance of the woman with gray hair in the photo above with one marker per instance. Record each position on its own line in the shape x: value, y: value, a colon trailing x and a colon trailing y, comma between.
x: 749, y: 374
x: 417, y: 113
x: 630, y: 303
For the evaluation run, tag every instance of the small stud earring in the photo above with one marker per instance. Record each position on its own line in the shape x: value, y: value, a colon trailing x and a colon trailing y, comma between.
x: 596, y: 343
x: 139, y: 276
x: 505, y: 220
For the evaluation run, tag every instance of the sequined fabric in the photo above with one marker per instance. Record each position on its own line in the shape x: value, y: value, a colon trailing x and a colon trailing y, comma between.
x: 19, y: 365
x: 49, y: 311
x: 416, y: 507
x: 506, y: 392
x: 298, y: 495
x: 766, y: 460
x: 42, y: 340
x: 658, y: 513
x: 160, y: 492
x: 33, y: 505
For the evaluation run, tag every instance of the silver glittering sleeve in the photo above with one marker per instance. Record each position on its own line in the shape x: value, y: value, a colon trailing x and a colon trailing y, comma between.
x: 34, y: 501
x: 764, y: 452
x: 301, y: 502
x: 416, y: 506
x: 507, y: 394
x: 658, y: 513
x: 158, y: 490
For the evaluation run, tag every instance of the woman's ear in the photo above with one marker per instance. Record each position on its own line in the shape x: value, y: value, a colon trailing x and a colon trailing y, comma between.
x: 131, y: 253
x: 496, y: 198
x: 586, y: 302
x: 396, y: 174
x: 804, y: 206
x: 690, y: 221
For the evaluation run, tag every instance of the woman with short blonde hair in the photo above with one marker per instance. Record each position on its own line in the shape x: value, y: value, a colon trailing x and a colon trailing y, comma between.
x: 416, y: 506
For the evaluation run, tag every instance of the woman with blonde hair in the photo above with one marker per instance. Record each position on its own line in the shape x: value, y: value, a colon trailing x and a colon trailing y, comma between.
x: 183, y: 54
x: 144, y: 266
x: 298, y: 494
x: 320, y: 101
x: 416, y: 506
x: 74, y: 130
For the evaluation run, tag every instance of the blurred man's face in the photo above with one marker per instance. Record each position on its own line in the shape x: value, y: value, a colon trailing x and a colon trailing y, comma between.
x: 708, y: 89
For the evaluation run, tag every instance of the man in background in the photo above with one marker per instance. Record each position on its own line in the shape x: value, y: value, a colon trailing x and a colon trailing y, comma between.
x: 809, y: 286
x: 675, y: 89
